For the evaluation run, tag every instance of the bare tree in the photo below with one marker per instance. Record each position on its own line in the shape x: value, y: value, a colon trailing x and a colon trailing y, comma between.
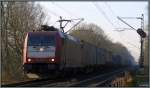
x: 17, y: 19
x: 91, y: 33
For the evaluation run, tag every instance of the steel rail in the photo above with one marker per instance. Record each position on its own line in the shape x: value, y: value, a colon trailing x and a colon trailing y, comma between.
x: 87, y: 81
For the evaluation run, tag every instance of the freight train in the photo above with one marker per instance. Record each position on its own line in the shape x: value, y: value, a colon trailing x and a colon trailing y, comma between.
x: 53, y: 51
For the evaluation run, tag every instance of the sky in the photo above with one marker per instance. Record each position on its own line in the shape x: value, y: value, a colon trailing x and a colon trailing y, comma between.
x: 103, y: 14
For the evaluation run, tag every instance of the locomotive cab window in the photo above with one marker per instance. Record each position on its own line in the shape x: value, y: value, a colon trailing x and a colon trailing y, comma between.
x: 41, y: 40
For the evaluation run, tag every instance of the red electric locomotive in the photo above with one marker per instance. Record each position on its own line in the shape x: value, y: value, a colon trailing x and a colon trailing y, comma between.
x: 41, y: 51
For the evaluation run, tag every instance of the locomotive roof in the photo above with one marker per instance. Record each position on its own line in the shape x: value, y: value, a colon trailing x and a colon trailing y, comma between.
x: 46, y: 32
x: 43, y: 32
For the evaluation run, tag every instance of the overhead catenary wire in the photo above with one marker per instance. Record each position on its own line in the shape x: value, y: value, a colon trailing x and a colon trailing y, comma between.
x: 54, y: 23
x: 75, y: 25
x: 113, y: 12
x: 50, y: 12
x: 65, y: 10
x: 133, y: 47
x: 131, y: 17
x: 123, y: 29
x: 70, y: 14
x: 120, y: 28
x: 132, y: 44
x: 100, y: 10
x: 126, y: 23
x: 103, y: 13
x: 55, y: 14
x: 120, y: 17
x: 125, y: 40
x: 110, y: 9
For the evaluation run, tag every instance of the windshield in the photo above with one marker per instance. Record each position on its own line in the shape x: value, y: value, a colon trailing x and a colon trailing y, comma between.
x: 41, y: 40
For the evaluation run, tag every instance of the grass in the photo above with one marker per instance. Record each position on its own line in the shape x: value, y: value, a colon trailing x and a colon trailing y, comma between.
x: 138, y: 79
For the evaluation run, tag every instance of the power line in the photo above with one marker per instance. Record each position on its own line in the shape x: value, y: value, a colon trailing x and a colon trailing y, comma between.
x: 132, y: 45
x: 68, y: 12
x: 126, y: 23
x: 109, y: 7
x: 55, y: 14
x: 100, y: 10
x: 67, y: 21
x: 54, y: 23
x: 75, y: 25
x: 123, y: 28
x: 103, y: 13
x: 98, y: 7
x: 65, y: 10
x: 128, y: 42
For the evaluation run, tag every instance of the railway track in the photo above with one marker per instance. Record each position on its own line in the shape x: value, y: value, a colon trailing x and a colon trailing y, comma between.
x: 24, y: 83
x: 35, y: 83
x: 94, y: 79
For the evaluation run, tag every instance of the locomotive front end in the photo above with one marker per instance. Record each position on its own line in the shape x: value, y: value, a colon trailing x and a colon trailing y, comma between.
x: 40, y: 56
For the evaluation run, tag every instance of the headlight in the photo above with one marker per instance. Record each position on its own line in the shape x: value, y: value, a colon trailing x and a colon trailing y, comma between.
x: 29, y: 60
x: 41, y: 49
x: 52, y: 59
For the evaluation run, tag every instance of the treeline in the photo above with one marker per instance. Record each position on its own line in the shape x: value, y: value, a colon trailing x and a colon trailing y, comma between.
x: 17, y: 18
x: 93, y: 34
